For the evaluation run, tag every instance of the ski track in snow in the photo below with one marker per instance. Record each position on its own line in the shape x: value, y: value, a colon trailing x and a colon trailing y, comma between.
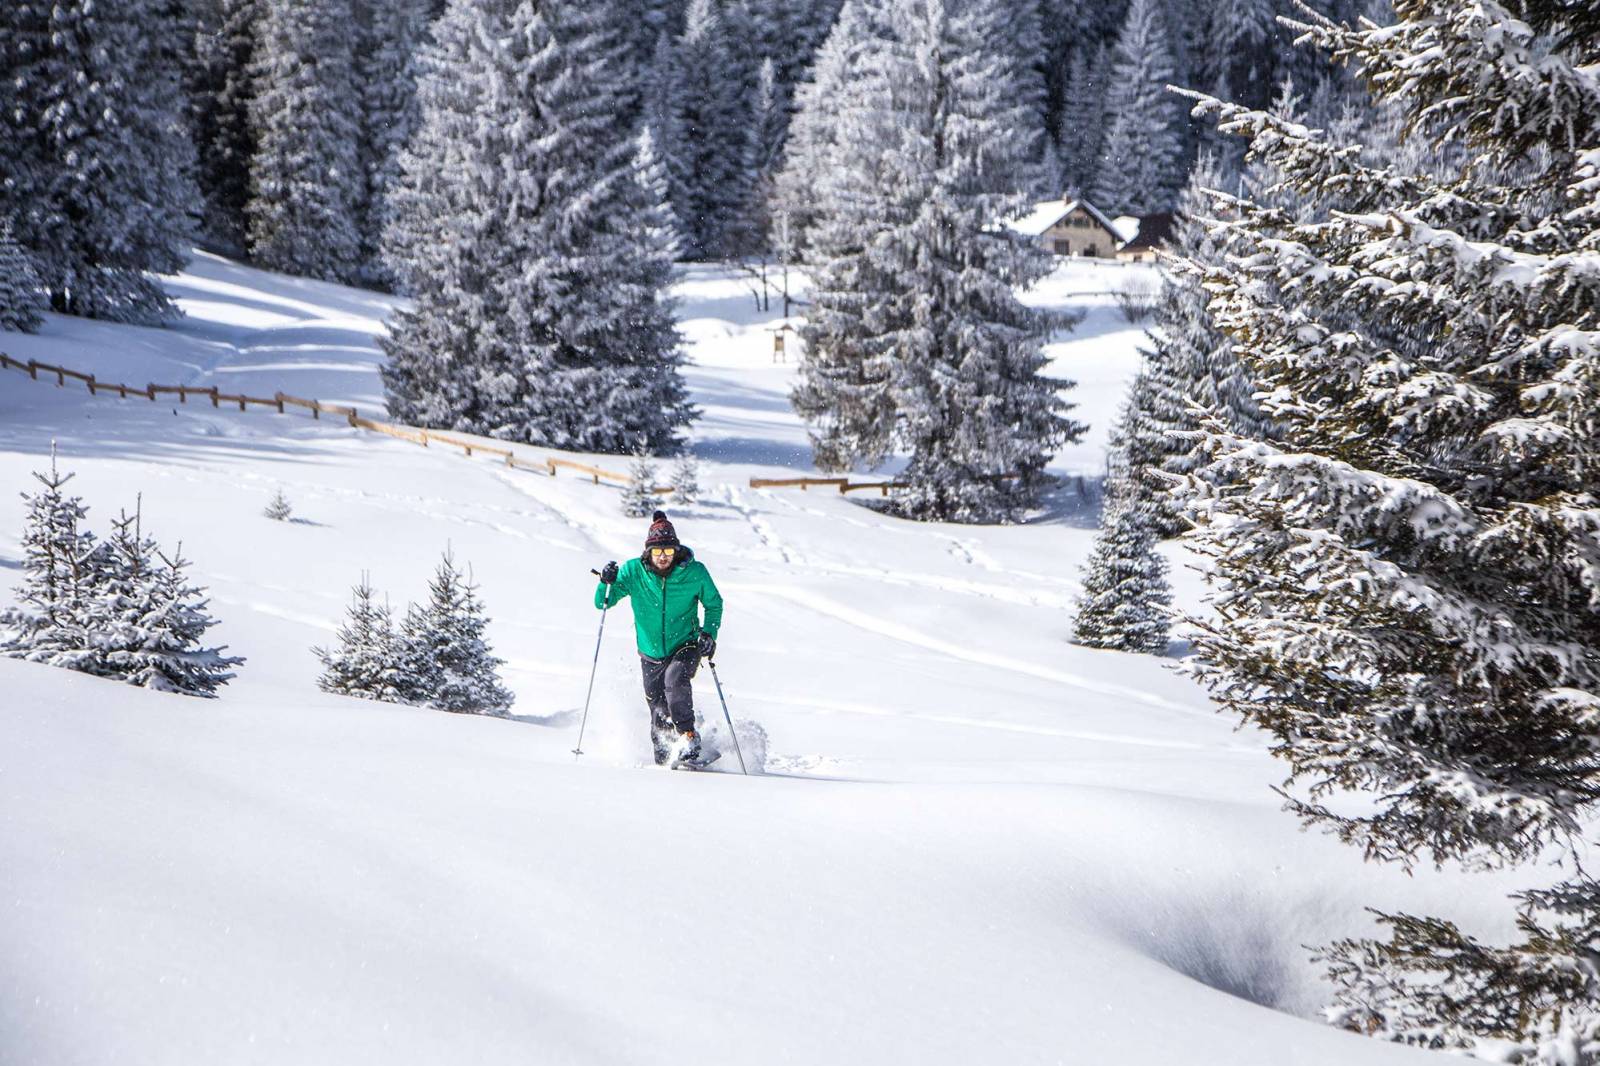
x: 1034, y: 594
x: 763, y: 531
x: 969, y: 551
x: 905, y: 634
x: 875, y: 711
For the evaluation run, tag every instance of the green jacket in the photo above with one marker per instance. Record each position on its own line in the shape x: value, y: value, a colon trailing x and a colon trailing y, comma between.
x: 665, y: 617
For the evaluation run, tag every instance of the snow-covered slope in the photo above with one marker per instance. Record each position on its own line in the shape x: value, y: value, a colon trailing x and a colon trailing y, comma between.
x: 973, y: 842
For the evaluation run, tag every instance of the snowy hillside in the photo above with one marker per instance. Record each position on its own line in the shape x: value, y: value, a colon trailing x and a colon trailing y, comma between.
x: 972, y: 842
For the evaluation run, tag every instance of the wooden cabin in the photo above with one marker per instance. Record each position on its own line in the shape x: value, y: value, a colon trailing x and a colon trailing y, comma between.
x: 1070, y: 227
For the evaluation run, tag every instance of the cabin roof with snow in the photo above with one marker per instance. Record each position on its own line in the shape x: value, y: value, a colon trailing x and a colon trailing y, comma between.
x: 1045, y: 215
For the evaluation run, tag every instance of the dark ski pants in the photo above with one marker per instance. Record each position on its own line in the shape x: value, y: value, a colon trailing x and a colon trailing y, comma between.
x: 667, y: 691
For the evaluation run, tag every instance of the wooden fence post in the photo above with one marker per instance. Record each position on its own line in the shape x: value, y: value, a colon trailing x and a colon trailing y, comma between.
x: 214, y: 401
x: 279, y: 398
x: 91, y: 385
x: 33, y: 370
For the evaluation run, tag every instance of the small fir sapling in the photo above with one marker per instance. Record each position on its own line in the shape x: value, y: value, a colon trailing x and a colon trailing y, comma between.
x: 124, y: 596
x: 278, y: 508
x: 1126, y: 601
x: 368, y: 661
x: 448, y: 664
x: 172, y: 657
x: 60, y: 557
x: 639, y: 497
x: 685, y: 479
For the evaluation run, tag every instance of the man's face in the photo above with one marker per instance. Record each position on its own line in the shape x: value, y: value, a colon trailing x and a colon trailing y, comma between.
x: 661, y: 558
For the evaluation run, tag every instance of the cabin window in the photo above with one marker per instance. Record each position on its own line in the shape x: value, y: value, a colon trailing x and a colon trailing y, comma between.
x: 1063, y: 247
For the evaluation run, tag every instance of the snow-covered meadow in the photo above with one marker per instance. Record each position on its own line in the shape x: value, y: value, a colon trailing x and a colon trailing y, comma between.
x: 972, y: 841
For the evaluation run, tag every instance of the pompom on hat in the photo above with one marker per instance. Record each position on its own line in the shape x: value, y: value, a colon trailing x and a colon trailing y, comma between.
x: 661, y: 534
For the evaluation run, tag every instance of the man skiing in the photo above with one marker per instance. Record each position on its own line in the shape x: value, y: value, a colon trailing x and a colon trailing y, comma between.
x: 669, y: 586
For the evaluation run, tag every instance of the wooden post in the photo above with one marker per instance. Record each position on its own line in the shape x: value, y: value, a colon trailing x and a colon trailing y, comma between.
x: 279, y: 397
x: 61, y: 378
x: 424, y: 438
x: 183, y: 394
x: 33, y: 370
x: 777, y: 347
x: 352, y: 418
x: 214, y: 401
x: 122, y: 391
x: 92, y: 391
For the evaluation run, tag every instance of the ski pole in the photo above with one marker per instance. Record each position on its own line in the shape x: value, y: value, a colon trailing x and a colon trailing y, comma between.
x: 712, y: 663
x: 593, y: 669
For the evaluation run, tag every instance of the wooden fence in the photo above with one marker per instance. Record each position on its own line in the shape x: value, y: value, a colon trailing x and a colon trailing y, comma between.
x: 425, y: 437
x: 280, y: 401
x: 843, y: 484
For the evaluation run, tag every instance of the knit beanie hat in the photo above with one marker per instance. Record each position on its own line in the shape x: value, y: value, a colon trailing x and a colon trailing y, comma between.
x: 661, y: 534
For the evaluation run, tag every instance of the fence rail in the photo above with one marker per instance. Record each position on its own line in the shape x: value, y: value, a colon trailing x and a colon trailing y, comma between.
x: 548, y: 465
x: 843, y: 484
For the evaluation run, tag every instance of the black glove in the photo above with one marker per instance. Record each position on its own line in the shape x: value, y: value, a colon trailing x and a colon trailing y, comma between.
x: 608, y: 573
x: 708, y: 646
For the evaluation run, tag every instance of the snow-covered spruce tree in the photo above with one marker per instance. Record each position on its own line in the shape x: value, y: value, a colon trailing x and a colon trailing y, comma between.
x: 1232, y: 48
x: 387, y: 64
x: 61, y: 565
x: 1082, y: 130
x: 914, y: 336
x: 710, y: 165
x: 97, y: 174
x: 448, y: 665
x: 655, y: 190
x: 307, y: 189
x: 21, y: 293
x: 224, y: 139
x: 126, y: 595
x: 368, y: 661
x: 1126, y: 600
x: 1189, y: 367
x: 639, y: 495
x: 535, y: 255
x: 686, y: 478
x: 843, y: 389
x: 1407, y: 578
x: 171, y: 656
x: 813, y: 135
x: 1142, y: 163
